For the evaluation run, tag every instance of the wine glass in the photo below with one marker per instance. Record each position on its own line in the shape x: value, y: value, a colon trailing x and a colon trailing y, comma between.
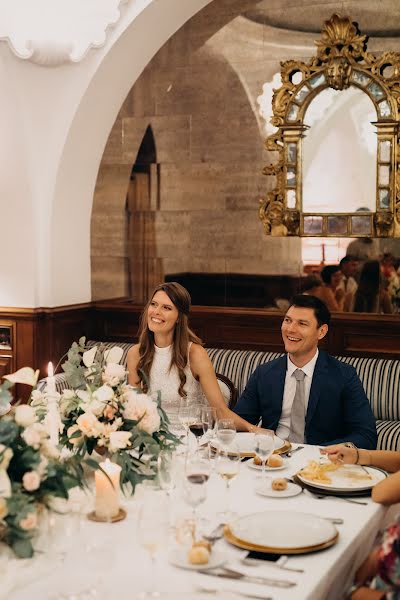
x: 165, y: 471
x: 196, y: 427
x: 228, y: 466
x: 186, y: 416
x: 197, y: 473
x: 152, y: 534
x: 226, y: 431
x: 208, y: 420
x: 263, y: 447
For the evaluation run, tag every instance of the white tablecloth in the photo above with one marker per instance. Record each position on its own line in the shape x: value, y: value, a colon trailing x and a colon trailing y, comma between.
x: 106, y: 559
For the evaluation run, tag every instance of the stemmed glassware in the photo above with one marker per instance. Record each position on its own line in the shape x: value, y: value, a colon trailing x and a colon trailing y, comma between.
x: 197, y: 473
x: 152, y: 532
x: 208, y: 420
x: 228, y: 466
x: 166, y: 471
x: 263, y: 447
x: 187, y: 415
x: 226, y: 431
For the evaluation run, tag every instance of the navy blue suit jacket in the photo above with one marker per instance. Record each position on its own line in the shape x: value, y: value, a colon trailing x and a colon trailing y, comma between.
x: 338, y: 409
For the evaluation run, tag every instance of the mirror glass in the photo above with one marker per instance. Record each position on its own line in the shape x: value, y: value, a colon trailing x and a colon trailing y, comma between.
x: 339, y: 156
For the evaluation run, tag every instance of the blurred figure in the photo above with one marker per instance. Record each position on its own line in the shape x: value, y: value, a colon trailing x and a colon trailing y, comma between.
x: 325, y: 287
x: 363, y: 249
x: 371, y: 295
x: 349, y: 266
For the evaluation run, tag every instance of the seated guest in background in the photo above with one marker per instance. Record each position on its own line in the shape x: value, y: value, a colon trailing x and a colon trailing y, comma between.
x: 169, y: 356
x: 326, y: 287
x: 308, y: 396
x: 382, y: 567
x: 371, y: 295
x: 349, y: 267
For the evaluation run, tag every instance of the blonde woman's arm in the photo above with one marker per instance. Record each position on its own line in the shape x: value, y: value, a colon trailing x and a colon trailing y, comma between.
x: 203, y: 371
x: 387, y: 492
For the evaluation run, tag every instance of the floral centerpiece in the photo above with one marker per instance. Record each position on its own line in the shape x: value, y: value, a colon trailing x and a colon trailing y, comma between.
x: 101, y: 413
x: 31, y: 474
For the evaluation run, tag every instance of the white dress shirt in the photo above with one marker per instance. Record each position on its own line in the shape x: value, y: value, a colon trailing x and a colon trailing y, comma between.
x: 289, y: 391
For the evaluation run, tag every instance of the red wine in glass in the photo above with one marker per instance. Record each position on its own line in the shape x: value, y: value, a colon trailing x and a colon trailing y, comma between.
x: 198, y: 478
x: 197, y: 429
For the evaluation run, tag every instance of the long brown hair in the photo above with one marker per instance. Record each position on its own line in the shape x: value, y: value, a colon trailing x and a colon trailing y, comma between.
x: 180, y: 298
x: 371, y: 280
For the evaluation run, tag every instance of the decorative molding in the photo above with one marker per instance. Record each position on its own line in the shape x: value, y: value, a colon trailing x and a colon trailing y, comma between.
x: 56, y: 33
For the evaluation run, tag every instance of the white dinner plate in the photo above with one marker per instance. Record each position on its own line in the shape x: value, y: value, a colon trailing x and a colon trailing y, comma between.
x: 179, y: 558
x: 252, y: 465
x: 284, y: 531
x: 292, y: 490
x: 245, y: 441
x: 348, y: 478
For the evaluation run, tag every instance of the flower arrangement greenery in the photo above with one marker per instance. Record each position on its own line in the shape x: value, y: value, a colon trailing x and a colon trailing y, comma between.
x: 31, y: 472
x: 100, y: 412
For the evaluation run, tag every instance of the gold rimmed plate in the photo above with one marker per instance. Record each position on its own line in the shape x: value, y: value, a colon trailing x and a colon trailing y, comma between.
x: 281, y: 532
x: 347, y: 479
x: 245, y: 441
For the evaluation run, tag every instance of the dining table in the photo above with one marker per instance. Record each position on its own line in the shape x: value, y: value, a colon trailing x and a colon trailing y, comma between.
x: 87, y: 559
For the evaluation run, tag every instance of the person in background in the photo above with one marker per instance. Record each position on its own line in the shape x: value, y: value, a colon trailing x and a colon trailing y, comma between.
x: 349, y: 267
x: 308, y: 396
x: 169, y: 356
x: 363, y: 249
x: 378, y: 578
x: 371, y: 295
x: 326, y: 287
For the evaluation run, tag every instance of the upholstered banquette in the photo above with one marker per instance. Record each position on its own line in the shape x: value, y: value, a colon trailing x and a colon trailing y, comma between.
x: 380, y: 378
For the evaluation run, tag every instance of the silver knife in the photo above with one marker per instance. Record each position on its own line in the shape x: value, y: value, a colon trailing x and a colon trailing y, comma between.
x: 230, y: 574
x: 244, y: 594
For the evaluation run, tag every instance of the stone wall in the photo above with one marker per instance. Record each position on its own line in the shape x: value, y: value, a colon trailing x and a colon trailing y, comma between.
x: 199, y: 95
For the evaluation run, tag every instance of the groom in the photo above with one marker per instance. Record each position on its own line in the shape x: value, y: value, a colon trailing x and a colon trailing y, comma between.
x: 308, y: 396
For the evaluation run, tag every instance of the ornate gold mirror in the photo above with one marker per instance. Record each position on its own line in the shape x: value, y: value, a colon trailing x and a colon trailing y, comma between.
x: 337, y: 168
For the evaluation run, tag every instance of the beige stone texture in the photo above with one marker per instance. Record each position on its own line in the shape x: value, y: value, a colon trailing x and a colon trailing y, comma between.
x: 199, y: 95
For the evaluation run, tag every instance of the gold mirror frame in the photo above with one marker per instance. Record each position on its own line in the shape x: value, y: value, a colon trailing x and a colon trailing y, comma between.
x: 342, y: 60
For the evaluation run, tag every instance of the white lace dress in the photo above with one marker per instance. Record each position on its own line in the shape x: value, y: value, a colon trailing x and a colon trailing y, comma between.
x: 168, y: 382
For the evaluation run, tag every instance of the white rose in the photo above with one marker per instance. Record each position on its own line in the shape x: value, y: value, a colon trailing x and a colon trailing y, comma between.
x: 94, y: 406
x: 6, y: 455
x: 29, y: 522
x: 119, y: 440
x: 3, y: 509
x: 25, y: 415
x: 88, y: 424
x: 31, y: 481
x: 83, y: 395
x: 68, y: 394
x: 104, y: 394
x: 32, y: 436
x: 141, y: 406
x: 113, y: 374
x: 50, y: 451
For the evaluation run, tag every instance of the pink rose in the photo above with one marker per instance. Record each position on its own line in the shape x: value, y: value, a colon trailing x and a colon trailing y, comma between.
x: 29, y: 522
x: 31, y: 481
x: 140, y: 406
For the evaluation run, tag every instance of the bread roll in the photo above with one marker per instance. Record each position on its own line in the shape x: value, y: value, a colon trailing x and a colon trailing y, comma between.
x: 257, y: 460
x: 275, y: 461
x: 279, y: 485
x: 198, y: 555
x: 202, y: 544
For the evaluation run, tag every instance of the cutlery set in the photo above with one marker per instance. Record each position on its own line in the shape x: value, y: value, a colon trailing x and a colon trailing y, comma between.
x: 226, y: 573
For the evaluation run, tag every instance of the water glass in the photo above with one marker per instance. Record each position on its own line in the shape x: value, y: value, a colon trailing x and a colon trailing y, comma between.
x: 226, y: 431
x: 264, y: 446
x: 208, y: 420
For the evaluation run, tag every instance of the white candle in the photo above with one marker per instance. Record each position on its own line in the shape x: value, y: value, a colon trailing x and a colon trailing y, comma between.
x: 50, y: 382
x: 107, y: 493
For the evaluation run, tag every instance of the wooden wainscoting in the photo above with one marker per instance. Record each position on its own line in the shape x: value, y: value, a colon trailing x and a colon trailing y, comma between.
x: 259, y: 329
x: 41, y: 335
